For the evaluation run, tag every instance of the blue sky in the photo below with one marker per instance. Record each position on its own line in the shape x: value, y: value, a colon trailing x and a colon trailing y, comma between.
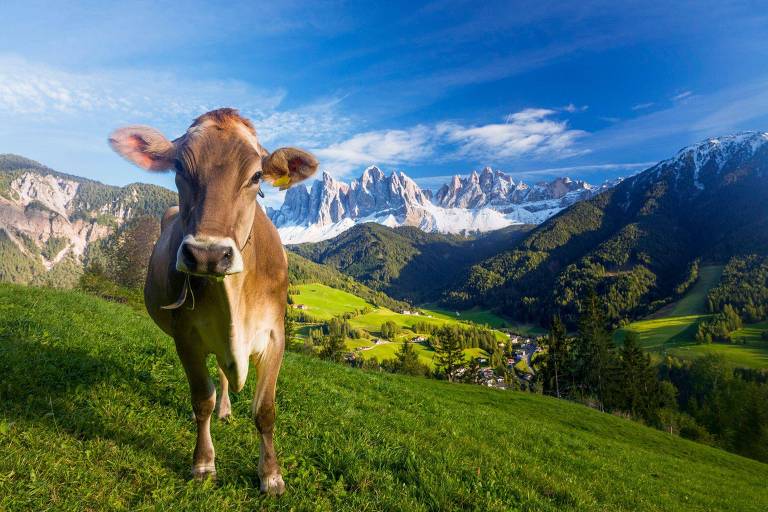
x: 539, y: 89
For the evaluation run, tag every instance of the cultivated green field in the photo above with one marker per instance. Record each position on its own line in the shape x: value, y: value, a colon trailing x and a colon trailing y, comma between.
x: 672, y: 329
x: 476, y: 315
x: 94, y: 414
x: 426, y: 354
x: 372, y: 321
x: 324, y: 302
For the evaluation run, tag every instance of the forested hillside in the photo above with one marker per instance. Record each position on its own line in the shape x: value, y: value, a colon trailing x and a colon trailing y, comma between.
x: 406, y: 262
x: 635, y: 244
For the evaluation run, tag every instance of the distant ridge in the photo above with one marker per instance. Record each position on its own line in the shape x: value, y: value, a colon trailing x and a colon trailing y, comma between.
x: 480, y: 202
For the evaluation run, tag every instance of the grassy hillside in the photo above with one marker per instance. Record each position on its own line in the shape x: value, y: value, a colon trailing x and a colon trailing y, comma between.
x: 303, y: 271
x: 672, y: 330
x: 94, y: 414
x: 324, y: 302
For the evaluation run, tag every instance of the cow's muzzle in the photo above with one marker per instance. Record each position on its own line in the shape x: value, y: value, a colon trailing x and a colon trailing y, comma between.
x: 208, y: 256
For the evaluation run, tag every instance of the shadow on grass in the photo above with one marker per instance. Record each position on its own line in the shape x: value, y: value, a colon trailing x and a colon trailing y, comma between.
x: 58, y: 387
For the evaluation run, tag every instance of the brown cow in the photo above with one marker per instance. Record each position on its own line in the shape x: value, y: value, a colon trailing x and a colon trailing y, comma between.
x: 218, y: 276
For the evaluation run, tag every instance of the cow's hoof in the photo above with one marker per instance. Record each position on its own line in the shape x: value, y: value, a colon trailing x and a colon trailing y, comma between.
x: 273, y: 485
x: 226, y: 417
x: 203, y: 473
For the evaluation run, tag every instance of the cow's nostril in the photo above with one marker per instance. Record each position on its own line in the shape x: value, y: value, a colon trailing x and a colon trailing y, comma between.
x: 188, y: 255
x: 227, y: 257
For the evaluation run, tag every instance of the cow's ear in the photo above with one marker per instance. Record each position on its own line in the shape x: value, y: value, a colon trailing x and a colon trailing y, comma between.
x: 144, y: 146
x: 288, y: 166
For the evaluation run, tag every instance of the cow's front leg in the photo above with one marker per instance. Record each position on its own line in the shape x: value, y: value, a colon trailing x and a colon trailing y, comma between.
x: 203, y: 395
x: 268, y: 366
x: 225, y: 406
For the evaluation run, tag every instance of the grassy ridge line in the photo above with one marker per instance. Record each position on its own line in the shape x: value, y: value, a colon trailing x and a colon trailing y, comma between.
x: 94, y: 413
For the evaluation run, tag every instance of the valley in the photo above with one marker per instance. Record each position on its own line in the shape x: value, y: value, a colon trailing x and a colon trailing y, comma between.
x: 672, y: 329
x: 315, y: 301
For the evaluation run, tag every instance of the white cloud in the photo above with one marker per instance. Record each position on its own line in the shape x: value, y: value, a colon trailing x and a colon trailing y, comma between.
x: 643, y: 106
x: 377, y: 147
x: 530, y: 132
x: 681, y: 96
x: 572, y: 109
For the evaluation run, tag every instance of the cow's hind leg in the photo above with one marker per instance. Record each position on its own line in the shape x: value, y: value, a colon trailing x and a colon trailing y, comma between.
x: 268, y: 366
x: 203, y: 395
x: 225, y: 406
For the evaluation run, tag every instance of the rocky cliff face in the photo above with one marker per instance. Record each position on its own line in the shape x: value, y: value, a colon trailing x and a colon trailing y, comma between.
x: 497, y: 189
x: 479, y: 202
x: 51, y: 217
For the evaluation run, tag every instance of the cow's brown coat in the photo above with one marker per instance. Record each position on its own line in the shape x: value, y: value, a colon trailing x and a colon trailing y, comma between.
x: 236, y: 317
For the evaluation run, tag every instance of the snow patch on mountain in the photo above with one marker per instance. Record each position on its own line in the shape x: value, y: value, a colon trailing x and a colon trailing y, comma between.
x: 697, y: 164
x: 480, y: 202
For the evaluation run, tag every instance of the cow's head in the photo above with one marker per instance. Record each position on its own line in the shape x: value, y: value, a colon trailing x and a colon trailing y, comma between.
x: 219, y: 167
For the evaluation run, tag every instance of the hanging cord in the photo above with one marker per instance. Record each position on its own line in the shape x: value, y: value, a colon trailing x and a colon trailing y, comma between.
x: 187, y: 288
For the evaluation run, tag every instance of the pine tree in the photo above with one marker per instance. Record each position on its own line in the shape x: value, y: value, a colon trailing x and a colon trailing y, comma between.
x: 449, y: 355
x: 407, y: 361
x: 595, y: 356
x: 129, y: 258
x: 332, y: 347
x: 555, y: 368
x: 637, y: 389
x: 289, y: 329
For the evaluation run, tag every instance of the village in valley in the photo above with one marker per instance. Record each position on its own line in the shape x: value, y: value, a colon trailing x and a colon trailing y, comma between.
x: 374, y: 338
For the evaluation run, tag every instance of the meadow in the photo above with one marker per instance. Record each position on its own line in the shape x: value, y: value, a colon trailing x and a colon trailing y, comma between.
x: 324, y: 302
x: 672, y: 329
x: 95, y: 414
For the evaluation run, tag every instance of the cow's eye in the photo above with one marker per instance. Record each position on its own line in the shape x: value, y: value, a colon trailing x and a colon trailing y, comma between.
x: 257, y: 177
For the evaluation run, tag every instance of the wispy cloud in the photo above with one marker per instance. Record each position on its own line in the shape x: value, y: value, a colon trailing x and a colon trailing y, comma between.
x: 531, y: 132
x: 572, y: 109
x: 101, y: 100
x: 643, y: 106
x: 741, y: 107
x: 528, y: 132
x: 681, y: 96
x: 33, y: 89
x: 377, y: 147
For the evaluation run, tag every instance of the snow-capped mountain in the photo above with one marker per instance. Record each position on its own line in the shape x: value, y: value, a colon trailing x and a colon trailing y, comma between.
x: 700, y: 165
x: 480, y: 202
x: 498, y: 190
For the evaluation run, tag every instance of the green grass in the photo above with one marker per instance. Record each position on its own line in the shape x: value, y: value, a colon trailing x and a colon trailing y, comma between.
x: 475, y: 315
x: 389, y: 351
x: 94, y: 414
x: 325, y: 302
x: 695, y: 301
x: 372, y: 321
x: 672, y: 329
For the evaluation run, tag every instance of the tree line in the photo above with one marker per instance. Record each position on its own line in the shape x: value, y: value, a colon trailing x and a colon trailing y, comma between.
x: 706, y: 400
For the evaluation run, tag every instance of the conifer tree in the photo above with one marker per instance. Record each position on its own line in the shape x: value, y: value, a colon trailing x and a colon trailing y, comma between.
x: 449, y: 355
x: 555, y: 368
x: 332, y: 347
x: 407, y: 361
x: 595, y: 356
